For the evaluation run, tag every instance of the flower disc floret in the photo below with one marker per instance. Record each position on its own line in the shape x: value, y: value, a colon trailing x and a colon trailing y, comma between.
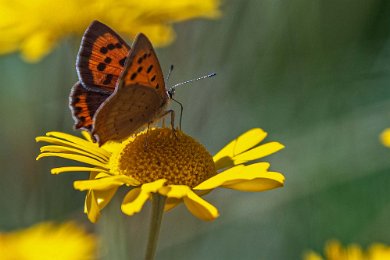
x: 164, y: 154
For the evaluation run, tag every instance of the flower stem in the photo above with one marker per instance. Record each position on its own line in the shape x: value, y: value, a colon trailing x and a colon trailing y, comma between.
x: 158, y: 203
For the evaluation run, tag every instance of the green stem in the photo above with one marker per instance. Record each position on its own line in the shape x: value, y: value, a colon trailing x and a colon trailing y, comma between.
x: 158, y: 203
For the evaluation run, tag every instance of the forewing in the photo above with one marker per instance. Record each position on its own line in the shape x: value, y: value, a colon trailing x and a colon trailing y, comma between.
x: 101, y: 58
x: 143, y: 67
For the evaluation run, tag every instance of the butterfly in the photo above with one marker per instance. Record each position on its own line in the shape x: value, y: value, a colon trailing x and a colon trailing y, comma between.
x: 120, y: 88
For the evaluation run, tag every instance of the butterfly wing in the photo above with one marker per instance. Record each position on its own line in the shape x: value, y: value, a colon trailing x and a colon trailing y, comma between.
x: 139, y: 98
x: 122, y: 115
x: 101, y: 58
x: 83, y: 103
x: 143, y: 67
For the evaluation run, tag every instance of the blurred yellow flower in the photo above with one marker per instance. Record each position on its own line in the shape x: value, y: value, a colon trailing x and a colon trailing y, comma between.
x: 35, y: 27
x: 177, y: 167
x: 48, y: 241
x: 385, y: 137
x: 334, y: 251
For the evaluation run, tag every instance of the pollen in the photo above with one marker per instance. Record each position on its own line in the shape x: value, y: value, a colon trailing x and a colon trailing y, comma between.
x: 161, y: 153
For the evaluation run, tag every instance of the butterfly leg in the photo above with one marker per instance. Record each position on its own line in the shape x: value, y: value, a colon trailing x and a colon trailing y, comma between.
x: 146, y: 138
x: 181, y: 111
x: 172, y: 112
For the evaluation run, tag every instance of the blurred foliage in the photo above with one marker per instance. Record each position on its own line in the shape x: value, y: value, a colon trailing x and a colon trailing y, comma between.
x: 314, y: 74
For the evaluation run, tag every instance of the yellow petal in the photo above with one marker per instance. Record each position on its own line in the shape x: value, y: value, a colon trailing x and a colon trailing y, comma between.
x: 260, y: 182
x: 71, y: 138
x: 200, y: 208
x: 224, y: 163
x: 87, y: 136
x: 103, y: 197
x: 79, y: 158
x: 136, y: 198
x: 258, y: 152
x: 66, y: 149
x: 95, y: 201
x: 242, y: 143
x: 105, y: 183
x: 174, y: 191
x: 91, y: 207
x: 74, y: 169
x: 134, y: 201
x: 170, y: 203
x: 231, y: 175
x: 72, y: 141
x: 195, y: 204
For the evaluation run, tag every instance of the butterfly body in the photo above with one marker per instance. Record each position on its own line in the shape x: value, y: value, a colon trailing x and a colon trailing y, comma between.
x: 121, y: 89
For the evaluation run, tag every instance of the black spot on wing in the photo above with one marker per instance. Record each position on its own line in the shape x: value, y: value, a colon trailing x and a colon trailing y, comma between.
x: 103, y: 50
x: 101, y: 67
x: 122, y: 62
x: 149, y: 69
x: 108, y: 79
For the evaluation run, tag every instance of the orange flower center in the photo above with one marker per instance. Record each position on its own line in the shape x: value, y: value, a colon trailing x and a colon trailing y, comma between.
x: 159, y: 154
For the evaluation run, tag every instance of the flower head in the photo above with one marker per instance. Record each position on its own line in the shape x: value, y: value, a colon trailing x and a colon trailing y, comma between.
x: 46, y: 241
x: 35, y: 27
x: 158, y: 161
x: 335, y: 251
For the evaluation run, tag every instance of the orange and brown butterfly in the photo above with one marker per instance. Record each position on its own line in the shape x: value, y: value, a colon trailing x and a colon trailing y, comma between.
x: 121, y: 89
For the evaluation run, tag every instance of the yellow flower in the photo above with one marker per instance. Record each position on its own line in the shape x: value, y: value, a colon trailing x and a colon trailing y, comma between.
x: 156, y: 161
x: 47, y: 241
x: 335, y: 251
x: 35, y: 27
x: 385, y: 137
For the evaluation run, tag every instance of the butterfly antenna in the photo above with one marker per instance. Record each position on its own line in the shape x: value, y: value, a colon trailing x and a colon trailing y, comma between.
x: 172, y: 89
x: 169, y: 73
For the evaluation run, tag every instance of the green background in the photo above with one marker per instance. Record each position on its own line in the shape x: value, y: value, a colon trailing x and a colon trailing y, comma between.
x: 314, y: 74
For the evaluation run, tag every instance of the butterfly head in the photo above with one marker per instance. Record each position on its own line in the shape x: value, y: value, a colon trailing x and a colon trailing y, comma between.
x: 171, y: 92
